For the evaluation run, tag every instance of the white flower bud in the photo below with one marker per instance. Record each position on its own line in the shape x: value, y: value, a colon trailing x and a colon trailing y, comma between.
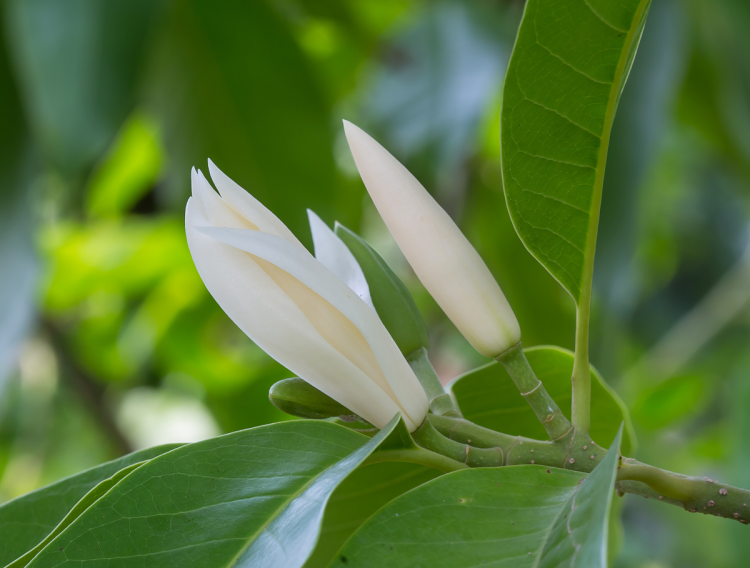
x: 443, y: 259
x: 295, y: 308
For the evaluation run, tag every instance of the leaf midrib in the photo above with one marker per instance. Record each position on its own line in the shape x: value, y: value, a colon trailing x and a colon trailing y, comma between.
x: 284, y: 505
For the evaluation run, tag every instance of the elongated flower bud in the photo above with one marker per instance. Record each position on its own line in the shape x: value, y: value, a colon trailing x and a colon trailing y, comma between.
x: 443, y: 259
x: 295, y: 308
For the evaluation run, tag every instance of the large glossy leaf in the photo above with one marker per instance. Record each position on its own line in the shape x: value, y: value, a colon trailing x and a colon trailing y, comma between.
x: 359, y: 497
x: 580, y: 534
x: 27, y: 520
x: 89, y: 499
x: 79, y: 63
x: 251, y: 498
x: 488, y: 397
x: 520, y: 516
x: 231, y: 84
x: 564, y: 79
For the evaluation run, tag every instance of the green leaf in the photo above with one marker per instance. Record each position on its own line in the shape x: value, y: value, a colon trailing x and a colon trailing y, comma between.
x: 230, y: 83
x: 79, y: 64
x: 251, y: 498
x: 89, y: 499
x: 363, y: 493
x: 391, y: 299
x: 369, y: 488
x: 564, y: 79
x: 580, y: 533
x: 520, y: 516
x: 488, y: 397
x: 27, y: 520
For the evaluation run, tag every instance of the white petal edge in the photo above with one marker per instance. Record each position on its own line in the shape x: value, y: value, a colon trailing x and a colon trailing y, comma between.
x: 332, y: 253
x: 195, y: 189
x: 249, y: 207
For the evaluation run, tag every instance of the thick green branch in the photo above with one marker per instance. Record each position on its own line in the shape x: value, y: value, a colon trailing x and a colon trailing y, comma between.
x: 473, y: 445
x: 532, y: 389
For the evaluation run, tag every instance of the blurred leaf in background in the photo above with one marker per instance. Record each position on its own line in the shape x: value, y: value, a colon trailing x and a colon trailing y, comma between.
x: 79, y: 64
x: 17, y: 255
x: 107, y: 104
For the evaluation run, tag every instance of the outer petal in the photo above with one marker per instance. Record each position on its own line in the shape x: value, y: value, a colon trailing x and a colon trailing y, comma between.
x: 249, y: 207
x: 404, y: 385
x: 332, y: 253
x: 219, y: 213
x: 446, y: 263
x: 194, y: 185
x: 277, y: 325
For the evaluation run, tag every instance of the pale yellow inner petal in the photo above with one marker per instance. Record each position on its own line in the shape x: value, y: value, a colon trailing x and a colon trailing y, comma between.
x: 336, y: 328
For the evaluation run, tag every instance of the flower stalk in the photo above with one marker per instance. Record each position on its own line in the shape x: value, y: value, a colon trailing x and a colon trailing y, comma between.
x: 441, y: 403
x: 531, y: 388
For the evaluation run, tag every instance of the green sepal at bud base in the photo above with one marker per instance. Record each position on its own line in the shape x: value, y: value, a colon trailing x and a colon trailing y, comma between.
x: 391, y: 299
x: 297, y: 397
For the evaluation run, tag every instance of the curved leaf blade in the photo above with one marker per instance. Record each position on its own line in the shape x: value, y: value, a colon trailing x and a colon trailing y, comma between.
x: 251, y: 498
x: 522, y: 516
x: 89, y: 499
x: 564, y: 79
x: 364, y: 492
x: 27, y: 520
x: 580, y: 534
x: 488, y: 397
x: 467, y: 518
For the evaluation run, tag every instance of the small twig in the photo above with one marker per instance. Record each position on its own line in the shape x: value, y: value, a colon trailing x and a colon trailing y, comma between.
x: 90, y: 391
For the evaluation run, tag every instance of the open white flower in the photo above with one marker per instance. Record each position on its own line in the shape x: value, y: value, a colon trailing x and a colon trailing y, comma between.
x: 295, y: 308
x: 443, y: 259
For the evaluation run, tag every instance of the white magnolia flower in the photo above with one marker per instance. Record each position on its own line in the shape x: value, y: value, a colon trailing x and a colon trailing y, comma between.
x: 443, y: 259
x: 295, y: 308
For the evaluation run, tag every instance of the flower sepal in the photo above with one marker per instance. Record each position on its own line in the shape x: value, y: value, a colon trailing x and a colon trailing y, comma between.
x: 297, y: 397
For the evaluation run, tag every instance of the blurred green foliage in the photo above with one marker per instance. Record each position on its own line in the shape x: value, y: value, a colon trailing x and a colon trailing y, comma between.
x: 109, y: 340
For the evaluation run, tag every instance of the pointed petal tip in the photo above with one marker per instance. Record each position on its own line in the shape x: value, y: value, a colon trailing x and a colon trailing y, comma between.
x: 213, y: 170
x: 351, y: 129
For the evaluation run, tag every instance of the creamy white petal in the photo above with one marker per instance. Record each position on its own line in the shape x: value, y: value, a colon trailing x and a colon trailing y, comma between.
x: 399, y: 377
x: 332, y: 253
x: 249, y: 207
x: 219, y: 213
x: 443, y: 259
x: 194, y: 187
x: 270, y: 318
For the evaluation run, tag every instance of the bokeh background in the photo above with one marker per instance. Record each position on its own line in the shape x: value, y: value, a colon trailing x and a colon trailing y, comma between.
x: 108, y: 340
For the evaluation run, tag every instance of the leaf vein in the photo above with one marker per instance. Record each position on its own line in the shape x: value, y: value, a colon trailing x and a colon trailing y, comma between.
x: 598, y: 15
